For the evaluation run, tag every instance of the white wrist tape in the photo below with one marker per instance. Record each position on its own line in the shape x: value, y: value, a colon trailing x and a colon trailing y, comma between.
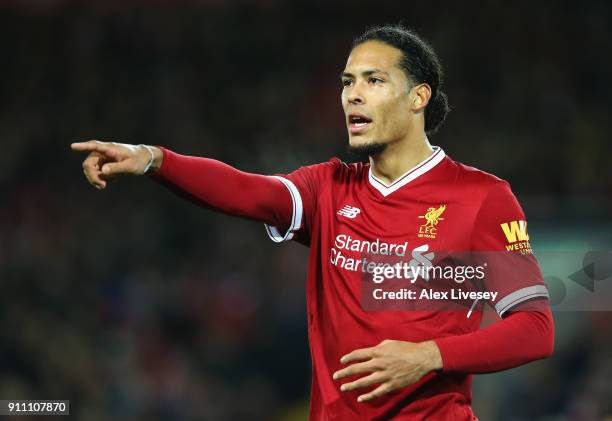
x: 150, y: 149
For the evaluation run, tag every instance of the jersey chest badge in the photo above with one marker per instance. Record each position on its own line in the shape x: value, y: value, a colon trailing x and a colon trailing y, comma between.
x: 432, y: 217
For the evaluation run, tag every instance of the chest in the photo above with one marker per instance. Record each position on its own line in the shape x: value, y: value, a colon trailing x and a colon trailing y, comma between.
x: 441, y: 219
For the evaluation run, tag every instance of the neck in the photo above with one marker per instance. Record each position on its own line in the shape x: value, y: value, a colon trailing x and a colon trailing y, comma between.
x: 399, y: 157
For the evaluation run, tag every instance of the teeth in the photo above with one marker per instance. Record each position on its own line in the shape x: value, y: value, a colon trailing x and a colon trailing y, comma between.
x: 359, y: 120
x: 360, y: 124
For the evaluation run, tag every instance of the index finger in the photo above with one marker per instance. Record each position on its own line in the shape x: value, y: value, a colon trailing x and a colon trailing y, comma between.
x: 357, y: 355
x: 91, y: 146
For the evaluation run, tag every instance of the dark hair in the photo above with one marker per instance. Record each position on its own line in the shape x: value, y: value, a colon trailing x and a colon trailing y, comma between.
x: 421, y: 65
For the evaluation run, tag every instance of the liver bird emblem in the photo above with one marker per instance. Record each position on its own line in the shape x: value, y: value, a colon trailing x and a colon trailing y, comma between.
x: 433, y: 216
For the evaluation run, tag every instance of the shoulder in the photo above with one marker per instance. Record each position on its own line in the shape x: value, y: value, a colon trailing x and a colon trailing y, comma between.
x: 490, y: 196
x: 476, y: 180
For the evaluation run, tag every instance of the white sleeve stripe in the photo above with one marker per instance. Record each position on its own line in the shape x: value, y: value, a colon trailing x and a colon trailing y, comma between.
x: 296, y: 216
x: 276, y: 236
x: 520, y: 296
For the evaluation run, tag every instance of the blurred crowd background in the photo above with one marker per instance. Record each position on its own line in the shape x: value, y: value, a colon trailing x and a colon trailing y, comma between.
x: 136, y: 305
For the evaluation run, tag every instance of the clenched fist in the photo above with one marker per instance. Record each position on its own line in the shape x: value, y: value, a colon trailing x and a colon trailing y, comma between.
x: 108, y: 159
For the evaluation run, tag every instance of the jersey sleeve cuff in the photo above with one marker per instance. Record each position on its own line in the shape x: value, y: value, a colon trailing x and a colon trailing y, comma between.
x: 275, y: 233
x: 445, y: 346
x: 164, y: 169
x: 519, y: 296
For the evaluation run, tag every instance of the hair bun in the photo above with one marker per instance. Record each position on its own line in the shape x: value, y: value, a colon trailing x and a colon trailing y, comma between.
x: 436, y: 112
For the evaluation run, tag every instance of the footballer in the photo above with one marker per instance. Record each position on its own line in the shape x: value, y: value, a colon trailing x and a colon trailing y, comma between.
x: 378, y: 365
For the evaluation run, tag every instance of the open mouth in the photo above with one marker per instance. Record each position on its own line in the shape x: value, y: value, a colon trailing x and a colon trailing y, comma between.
x: 358, y: 122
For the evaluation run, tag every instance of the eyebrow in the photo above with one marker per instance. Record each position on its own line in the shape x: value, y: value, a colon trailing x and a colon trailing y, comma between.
x: 366, y: 73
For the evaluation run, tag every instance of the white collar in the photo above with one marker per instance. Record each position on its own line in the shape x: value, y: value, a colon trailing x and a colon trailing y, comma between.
x: 419, y: 169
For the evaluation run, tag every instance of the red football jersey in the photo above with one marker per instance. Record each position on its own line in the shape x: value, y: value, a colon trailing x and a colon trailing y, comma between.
x: 439, y: 205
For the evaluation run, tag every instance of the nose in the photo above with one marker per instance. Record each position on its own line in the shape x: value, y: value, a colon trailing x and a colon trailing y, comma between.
x: 355, y: 99
x: 355, y: 95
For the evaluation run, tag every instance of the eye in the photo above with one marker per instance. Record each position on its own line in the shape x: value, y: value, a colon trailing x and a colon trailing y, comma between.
x: 375, y: 81
x: 347, y: 82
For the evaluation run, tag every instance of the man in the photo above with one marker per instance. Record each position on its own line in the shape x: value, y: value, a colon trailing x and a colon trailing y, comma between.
x: 376, y: 365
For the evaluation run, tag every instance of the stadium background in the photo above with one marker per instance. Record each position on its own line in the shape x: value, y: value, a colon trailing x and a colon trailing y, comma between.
x: 138, y: 306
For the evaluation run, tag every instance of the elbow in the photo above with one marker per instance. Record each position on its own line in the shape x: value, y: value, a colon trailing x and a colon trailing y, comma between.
x: 547, y: 348
x: 546, y: 333
x: 550, y: 340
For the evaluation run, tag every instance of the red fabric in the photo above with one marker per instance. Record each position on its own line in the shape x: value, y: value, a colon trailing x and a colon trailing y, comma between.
x: 213, y: 183
x: 334, y: 208
x: 344, y: 208
x: 521, y: 337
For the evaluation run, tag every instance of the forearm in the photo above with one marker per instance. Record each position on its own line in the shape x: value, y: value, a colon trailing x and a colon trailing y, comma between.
x: 212, y: 183
x: 521, y: 337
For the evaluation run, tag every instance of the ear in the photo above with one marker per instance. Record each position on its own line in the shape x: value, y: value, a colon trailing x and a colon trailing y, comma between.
x: 421, y: 94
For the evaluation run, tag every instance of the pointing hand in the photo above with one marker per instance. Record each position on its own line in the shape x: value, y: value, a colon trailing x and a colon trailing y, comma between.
x: 108, y: 159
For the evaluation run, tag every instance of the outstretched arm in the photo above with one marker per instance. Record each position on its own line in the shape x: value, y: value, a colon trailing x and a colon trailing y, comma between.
x: 207, y: 181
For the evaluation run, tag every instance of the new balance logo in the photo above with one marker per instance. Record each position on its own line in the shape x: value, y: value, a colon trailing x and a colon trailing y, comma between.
x: 349, y: 211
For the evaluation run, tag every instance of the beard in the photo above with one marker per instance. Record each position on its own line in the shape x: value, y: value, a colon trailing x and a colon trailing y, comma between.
x: 363, y: 152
